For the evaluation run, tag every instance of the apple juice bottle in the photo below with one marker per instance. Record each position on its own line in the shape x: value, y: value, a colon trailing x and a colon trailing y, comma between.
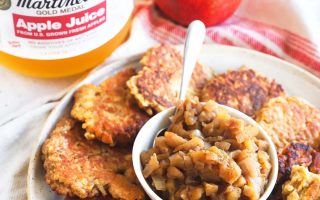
x: 54, y: 38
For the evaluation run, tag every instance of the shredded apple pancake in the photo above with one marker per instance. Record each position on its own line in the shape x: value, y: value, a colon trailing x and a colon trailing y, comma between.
x: 242, y: 89
x: 108, y: 112
x: 294, y: 154
x: 156, y: 86
x: 303, y: 185
x: 297, y: 154
x: 207, y: 154
x: 78, y: 167
x: 290, y: 119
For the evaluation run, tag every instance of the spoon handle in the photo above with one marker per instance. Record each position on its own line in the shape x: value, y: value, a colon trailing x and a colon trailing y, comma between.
x: 195, y: 37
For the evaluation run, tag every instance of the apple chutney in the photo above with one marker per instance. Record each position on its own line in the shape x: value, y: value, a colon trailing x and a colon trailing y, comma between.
x: 207, y: 154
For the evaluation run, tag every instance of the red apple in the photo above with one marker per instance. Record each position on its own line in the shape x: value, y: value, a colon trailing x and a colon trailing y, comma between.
x: 209, y: 12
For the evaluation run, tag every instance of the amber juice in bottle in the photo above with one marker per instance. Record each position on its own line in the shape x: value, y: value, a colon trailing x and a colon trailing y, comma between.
x: 54, y: 38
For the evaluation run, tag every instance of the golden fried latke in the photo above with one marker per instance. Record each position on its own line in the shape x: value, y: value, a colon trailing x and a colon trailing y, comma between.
x: 300, y: 154
x: 242, y: 89
x: 293, y: 154
x: 108, y: 112
x: 78, y: 167
x: 157, y: 85
x: 290, y: 119
x: 303, y: 185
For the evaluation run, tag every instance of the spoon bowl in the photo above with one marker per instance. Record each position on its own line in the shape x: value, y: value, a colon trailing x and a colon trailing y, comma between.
x: 160, y: 121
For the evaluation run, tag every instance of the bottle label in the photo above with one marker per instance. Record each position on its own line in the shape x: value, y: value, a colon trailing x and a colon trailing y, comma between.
x: 57, y: 29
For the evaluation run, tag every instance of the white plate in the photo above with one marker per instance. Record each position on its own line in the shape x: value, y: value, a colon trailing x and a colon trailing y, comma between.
x: 295, y: 81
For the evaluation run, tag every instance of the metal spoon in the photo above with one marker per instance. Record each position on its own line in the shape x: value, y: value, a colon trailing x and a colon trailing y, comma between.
x: 195, y: 37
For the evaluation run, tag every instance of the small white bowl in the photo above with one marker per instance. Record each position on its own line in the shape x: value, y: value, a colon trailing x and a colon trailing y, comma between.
x: 147, y: 134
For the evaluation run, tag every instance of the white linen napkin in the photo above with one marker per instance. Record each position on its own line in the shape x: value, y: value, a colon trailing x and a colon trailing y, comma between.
x: 17, y: 141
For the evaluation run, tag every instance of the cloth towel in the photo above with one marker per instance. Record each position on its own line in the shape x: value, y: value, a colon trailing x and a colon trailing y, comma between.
x: 287, y: 29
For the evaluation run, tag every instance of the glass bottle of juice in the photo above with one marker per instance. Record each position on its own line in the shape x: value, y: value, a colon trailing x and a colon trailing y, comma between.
x: 54, y: 38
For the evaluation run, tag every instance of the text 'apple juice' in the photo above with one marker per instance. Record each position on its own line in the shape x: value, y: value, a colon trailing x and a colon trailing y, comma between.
x: 54, y: 38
